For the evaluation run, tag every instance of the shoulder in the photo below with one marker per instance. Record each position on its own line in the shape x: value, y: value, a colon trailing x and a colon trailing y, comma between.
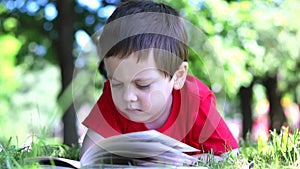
x: 195, y: 86
x: 106, y: 96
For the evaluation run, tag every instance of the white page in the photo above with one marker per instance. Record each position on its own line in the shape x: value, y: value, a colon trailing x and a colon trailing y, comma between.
x: 149, y: 136
x: 143, y: 144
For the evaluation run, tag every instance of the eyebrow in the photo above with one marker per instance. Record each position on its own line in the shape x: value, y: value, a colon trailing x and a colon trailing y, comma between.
x: 135, y: 80
x: 142, y: 79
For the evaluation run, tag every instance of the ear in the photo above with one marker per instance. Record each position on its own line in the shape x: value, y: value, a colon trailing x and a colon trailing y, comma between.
x: 180, y: 76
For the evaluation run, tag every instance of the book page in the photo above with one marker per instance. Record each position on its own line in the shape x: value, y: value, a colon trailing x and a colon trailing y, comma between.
x: 135, y: 149
x: 139, y: 145
x: 149, y: 136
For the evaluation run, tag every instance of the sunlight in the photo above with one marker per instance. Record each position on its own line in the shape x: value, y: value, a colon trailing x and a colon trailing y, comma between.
x: 82, y: 39
x: 50, y: 11
x: 92, y: 5
x: 32, y: 7
x: 106, y: 11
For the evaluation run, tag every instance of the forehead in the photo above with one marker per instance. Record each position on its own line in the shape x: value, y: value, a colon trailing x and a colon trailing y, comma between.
x: 131, y: 66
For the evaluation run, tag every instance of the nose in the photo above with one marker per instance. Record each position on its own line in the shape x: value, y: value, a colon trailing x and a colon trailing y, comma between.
x: 129, y: 94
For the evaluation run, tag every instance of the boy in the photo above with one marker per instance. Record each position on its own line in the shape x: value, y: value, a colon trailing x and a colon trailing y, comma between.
x: 145, y: 52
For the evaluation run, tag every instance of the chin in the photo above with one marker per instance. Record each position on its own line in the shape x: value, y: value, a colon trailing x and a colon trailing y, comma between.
x: 139, y: 120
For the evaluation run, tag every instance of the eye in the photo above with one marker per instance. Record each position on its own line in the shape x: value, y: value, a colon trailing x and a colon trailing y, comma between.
x: 116, y: 84
x: 143, y: 86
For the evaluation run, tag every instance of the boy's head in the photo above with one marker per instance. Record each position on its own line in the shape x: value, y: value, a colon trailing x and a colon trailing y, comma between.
x: 142, y: 43
x: 142, y: 24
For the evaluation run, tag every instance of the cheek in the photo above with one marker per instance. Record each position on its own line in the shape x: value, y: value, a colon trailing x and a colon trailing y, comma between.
x: 116, y: 96
x: 155, y: 101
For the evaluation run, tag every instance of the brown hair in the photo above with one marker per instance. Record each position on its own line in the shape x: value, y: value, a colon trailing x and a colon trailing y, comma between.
x: 137, y: 25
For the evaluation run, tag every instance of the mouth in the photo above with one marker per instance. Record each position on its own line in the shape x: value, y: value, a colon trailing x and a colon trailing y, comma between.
x: 132, y: 110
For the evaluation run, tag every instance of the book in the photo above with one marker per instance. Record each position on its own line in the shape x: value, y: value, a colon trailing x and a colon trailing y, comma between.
x: 145, y: 149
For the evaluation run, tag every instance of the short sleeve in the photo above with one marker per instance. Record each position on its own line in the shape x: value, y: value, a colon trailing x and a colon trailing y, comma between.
x: 102, y: 117
x: 214, y: 134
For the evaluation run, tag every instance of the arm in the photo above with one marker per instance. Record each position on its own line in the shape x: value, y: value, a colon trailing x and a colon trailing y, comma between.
x: 90, y: 139
x: 215, y: 135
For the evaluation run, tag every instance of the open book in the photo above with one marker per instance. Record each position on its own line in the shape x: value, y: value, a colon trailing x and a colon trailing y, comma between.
x: 133, y: 150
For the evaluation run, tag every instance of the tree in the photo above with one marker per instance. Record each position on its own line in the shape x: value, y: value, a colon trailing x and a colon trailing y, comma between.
x: 48, y: 37
x: 64, y: 48
x: 245, y: 97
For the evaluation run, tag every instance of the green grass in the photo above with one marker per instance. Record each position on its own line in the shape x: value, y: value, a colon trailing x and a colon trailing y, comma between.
x: 281, y: 150
x: 12, y: 157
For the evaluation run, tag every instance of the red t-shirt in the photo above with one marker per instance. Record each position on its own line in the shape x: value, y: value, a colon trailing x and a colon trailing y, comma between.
x: 193, y: 119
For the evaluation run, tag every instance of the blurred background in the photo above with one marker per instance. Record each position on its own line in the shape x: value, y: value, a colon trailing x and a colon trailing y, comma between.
x: 248, y: 52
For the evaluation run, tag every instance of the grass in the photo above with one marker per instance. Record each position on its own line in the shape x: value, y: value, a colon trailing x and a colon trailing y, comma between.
x: 12, y: 157
x: 281, y: 150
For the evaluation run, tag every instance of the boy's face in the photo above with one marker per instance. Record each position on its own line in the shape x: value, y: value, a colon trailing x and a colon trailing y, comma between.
x: 140, y: 91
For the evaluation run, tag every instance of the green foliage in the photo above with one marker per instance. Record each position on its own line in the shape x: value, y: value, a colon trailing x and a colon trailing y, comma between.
x: 249, y: 39
x: 32, y: 105
x: 9, y: 48
x: 12, y: 156
x: 280, y: 150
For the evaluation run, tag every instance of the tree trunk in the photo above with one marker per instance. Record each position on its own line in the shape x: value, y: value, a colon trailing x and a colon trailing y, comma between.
x: 245, y: 94
x: 276, y: 113
x: 64, y: 50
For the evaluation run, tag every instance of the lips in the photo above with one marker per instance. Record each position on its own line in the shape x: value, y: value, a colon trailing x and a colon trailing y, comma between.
x: 132, y: 110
